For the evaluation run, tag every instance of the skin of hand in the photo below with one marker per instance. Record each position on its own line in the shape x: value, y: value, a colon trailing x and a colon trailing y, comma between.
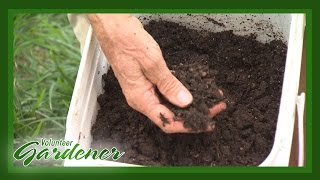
x: 138, y: 64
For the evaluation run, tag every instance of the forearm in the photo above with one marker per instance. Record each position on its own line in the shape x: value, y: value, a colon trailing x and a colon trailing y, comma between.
x: 108, y: 23
x: 113, y: 30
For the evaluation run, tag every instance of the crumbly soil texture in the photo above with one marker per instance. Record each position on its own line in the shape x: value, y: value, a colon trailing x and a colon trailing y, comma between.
x: 249, y: 73
x: 194, y: 74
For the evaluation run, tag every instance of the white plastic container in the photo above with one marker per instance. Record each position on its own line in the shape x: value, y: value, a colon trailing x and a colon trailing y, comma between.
x: 287, y: 27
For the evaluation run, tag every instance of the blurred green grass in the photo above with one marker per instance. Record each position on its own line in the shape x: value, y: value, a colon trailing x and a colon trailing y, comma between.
x: 46, y: 60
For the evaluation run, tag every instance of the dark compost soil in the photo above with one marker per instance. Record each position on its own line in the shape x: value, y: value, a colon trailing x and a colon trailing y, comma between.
x: 194, y: 74
x: 249, y: 73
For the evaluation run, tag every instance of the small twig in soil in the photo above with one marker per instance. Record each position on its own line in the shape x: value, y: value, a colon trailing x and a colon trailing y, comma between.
x: 164, y: 120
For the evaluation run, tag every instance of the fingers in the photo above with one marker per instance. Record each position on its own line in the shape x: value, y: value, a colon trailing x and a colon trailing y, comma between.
x: 163, y: 118
x: 213, y: 111
x: 148, y: 104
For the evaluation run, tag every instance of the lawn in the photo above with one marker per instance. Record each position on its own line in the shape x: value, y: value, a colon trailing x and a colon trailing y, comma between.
x: 46, y: 60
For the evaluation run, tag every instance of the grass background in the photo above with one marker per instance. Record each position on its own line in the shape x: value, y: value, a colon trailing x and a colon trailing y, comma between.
x: 46, y: 61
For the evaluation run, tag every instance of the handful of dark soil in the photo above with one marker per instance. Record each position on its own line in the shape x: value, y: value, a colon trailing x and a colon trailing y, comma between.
x: 195, y: 75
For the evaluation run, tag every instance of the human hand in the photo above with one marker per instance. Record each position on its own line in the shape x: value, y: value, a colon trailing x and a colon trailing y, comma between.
x: 138, y: 64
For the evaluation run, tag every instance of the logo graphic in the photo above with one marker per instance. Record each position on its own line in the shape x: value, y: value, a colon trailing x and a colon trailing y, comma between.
x: 48, y: 148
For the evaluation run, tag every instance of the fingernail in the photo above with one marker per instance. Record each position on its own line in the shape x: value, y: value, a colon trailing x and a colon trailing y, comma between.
x: 221, y: 93
x: 184, y: 97
x: 223, y: 106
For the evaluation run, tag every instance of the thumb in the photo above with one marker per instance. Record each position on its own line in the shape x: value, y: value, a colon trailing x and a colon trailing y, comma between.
x: 174, y: 90
x: 156, y: 70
